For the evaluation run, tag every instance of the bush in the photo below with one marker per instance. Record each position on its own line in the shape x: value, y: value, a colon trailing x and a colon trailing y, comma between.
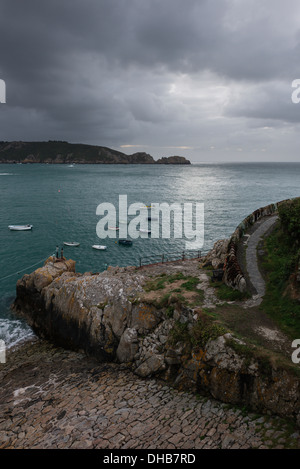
x: 289, y: 214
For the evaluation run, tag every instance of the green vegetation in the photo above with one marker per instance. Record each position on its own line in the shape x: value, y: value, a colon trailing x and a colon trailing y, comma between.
x: 159, y: 283
x: 226, y: 293
x: 176, y: 288
x: 281, y: 301
x: 190, y: 284
x: 202, y: 332
x: 289, y: 214
x: 197, y: 335
x: 179, y: 333
x: 168, y: 300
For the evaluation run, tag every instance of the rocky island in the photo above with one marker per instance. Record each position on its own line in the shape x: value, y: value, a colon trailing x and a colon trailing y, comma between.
x: 60, y: 152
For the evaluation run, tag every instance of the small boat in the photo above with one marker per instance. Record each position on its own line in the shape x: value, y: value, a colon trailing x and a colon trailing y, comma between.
x: 144, y: 231
x: 66, y: 243
x: 20, y: 227
x: 115, y: 228
x: 99, y: 247
x: 125, y: 242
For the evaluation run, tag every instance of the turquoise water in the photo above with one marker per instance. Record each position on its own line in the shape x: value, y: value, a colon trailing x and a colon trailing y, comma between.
x: 60, y: 202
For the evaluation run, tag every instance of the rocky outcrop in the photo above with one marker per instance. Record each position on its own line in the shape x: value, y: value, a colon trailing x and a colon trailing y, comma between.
x: 108, y: 316
x: 218, y: 254
x: 173, y: 160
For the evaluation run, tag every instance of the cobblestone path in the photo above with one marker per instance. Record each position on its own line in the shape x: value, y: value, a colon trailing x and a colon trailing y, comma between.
x: 52, y: 398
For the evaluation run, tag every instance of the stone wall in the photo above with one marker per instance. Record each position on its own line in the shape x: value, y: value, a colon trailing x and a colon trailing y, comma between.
x: 233, y: 274
x: 224, y: 252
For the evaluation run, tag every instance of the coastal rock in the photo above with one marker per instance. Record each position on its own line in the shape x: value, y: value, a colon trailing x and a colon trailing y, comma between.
x: 173, y: 160
x: 217, y: 256
x: 104, y: 316
x: 218, y: 353
x: 128, y: 346
x: 152, y: 365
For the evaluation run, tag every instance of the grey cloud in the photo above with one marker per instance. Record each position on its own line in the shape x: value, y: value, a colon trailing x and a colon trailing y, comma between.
x: 100, y: 71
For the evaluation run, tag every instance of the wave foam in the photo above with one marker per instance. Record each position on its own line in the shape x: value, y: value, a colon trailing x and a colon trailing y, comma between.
x: 13, y: 332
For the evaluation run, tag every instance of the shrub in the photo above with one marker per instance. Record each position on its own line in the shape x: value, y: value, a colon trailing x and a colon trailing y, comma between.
x: 289, y: 214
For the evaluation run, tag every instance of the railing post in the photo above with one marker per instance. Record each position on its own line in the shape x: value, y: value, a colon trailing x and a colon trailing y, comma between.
x: 140, y: 262
x: 162, y: 258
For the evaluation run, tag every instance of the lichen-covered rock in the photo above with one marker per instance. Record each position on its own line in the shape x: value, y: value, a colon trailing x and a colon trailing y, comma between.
x: 105, y: 316
x: 151, y: 365
x: 128, y: 346
x: 218, y: 352
x: 217, y: 256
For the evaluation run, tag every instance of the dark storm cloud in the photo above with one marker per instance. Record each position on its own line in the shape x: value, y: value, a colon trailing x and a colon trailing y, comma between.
x: 154, y: 73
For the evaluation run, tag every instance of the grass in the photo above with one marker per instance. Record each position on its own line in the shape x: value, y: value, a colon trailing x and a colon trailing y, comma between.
x: 198, y: 335
x: 281, y: 301
x: 175, y: 294
x: 160, y: 282
x: 226, y: 293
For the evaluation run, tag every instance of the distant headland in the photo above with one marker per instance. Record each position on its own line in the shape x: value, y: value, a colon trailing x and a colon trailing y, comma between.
x: 60, y: 152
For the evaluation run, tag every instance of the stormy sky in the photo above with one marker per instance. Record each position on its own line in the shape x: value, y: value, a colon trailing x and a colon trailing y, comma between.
x: 207, y: 79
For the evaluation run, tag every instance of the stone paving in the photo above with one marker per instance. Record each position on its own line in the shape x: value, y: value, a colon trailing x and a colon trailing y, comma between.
x: 53, y: 398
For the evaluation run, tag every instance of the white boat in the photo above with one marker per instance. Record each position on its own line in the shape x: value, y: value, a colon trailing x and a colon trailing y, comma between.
x: 144, y: 231
x: 20, y: 227
x: 98, y: 246
x: 66, y: 243
x: 114, y: 228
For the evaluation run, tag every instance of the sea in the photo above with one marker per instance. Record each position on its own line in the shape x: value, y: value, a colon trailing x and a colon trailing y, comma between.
x: 61, y: 203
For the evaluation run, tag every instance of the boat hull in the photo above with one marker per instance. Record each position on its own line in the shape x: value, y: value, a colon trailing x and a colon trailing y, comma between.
x: 125, y: 242
x: 20, y: 227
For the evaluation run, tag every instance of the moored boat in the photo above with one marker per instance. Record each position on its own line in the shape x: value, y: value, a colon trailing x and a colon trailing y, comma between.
x: 74, y: 243
x: 99, y: 247
x: 20, y: 227
x: 125, y: 242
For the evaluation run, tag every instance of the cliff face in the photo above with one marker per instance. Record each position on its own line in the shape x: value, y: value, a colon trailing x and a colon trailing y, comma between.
x: 56, y: 152
x: 110, y: 316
